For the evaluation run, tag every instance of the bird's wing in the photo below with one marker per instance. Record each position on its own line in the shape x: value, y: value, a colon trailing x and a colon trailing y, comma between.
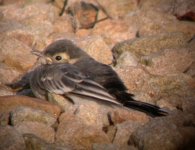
x: 65, y: 79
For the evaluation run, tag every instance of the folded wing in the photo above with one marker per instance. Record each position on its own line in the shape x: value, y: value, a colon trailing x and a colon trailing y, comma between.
x: 66, y: 79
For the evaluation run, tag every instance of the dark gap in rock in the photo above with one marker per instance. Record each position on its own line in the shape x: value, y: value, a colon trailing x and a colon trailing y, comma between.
x: 189, y: 123
x: 9, y: 119
x: 189, y: 16
x: 110, y: 119
x: 179, y: 107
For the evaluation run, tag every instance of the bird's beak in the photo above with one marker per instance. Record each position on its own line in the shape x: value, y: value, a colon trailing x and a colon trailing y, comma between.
x: 48, y: 60
x: 42, y: 59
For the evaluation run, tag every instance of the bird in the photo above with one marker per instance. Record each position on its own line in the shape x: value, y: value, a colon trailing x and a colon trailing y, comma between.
x: 67, y: 70
x: 67, y: 80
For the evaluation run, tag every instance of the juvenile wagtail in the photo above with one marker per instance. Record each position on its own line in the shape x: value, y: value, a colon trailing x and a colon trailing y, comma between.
x: 68, y: 70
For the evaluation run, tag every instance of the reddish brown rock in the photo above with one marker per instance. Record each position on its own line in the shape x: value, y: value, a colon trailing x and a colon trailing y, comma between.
x: 165, y: 6
x: 173, y: 87
x: 96, y: 47
x: 133, y: 77
x: 4, y: 119
x: 22, y: 114
x: 22, y: 34
x: 151, y: 44
x: 188, y: 16
x: 8, y: 103
x: 158, y: 133
x: 4, y: 90
x: 39, y: 129
x: 126, y: 59
x: 72, y: 132
x: 163, y: 23
x: 184, y: 7
x: 112, y: 147
x: 35, y: 11
x: 124, y: 130
x: 63, y: 24
x: 16, y: 54
x: 120, y: 115
x: 93, y: 114
x: 11, y: 139
x: 84, y: 14
x: 118, y: 9
x: 8, y: 2
x: 114, y: 31
x: 33, y: 142
x: 8, y: 74
x: 159, y: 63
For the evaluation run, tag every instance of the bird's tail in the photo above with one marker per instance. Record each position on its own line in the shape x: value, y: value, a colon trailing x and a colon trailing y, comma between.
x: 150, y: 109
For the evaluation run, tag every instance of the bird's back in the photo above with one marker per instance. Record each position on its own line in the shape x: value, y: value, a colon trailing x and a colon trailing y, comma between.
x: 105, y: 76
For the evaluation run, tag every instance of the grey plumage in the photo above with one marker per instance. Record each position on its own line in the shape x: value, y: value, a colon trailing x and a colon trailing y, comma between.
x: 65, y: 79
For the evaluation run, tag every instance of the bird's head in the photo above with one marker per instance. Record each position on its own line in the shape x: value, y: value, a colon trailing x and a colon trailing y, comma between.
x: 61, y: 51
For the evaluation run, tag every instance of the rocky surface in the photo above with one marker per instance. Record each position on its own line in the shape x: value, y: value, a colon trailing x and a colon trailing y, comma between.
x: 151, y: 44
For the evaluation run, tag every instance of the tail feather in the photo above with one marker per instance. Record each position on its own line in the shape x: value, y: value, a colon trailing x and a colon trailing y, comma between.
x: 128, y: 101
x: 150, y: 109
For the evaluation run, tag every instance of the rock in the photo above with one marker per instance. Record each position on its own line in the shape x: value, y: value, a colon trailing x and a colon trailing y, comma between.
x: 84, y: 33
x: 163, y: 23
x: 4, y: 119
x: 114, y: 31
x: 35, y: 11
x: 7, y: 25
x: 61, y: 101
x: 8, y: 2
x: 96, y: 47
x: 188, y: 16
x: 33, y: 143
x: 93, y: 114
x: 158, y: 133
x: 110, y: 131
x: 105, y: 146
x: 177, y: 8
x: 74, y: 133
x: 22, y: 34
x: 84, y: 14
x: 100, y: 115
x: 126, y: 59
x: 124, y: 130
x: 183, y: 7
x: 166, y: 6
x: 16, y: 54
x: 191, y: 70
x: 112, y: 147
x: 11, y: 139
x: 38, y: 129
x: 118, y: 9
x: 36, y: 20
x: 4, y: 90
x: 119, y: 115
x: 63, y: 24
x: 147, y: 45
x: 9, y: 103
x: 8, y: 74
x: 22, y: 114
x: 133, y: 77
x: 169, y: 89
x: 159, y: 63
x: 170, y: 86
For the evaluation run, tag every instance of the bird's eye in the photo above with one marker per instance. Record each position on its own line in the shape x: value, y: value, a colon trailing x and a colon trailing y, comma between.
x: 58, y: 58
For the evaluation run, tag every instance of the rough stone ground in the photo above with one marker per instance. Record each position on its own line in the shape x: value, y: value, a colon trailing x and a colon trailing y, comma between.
x: 151, y: 45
